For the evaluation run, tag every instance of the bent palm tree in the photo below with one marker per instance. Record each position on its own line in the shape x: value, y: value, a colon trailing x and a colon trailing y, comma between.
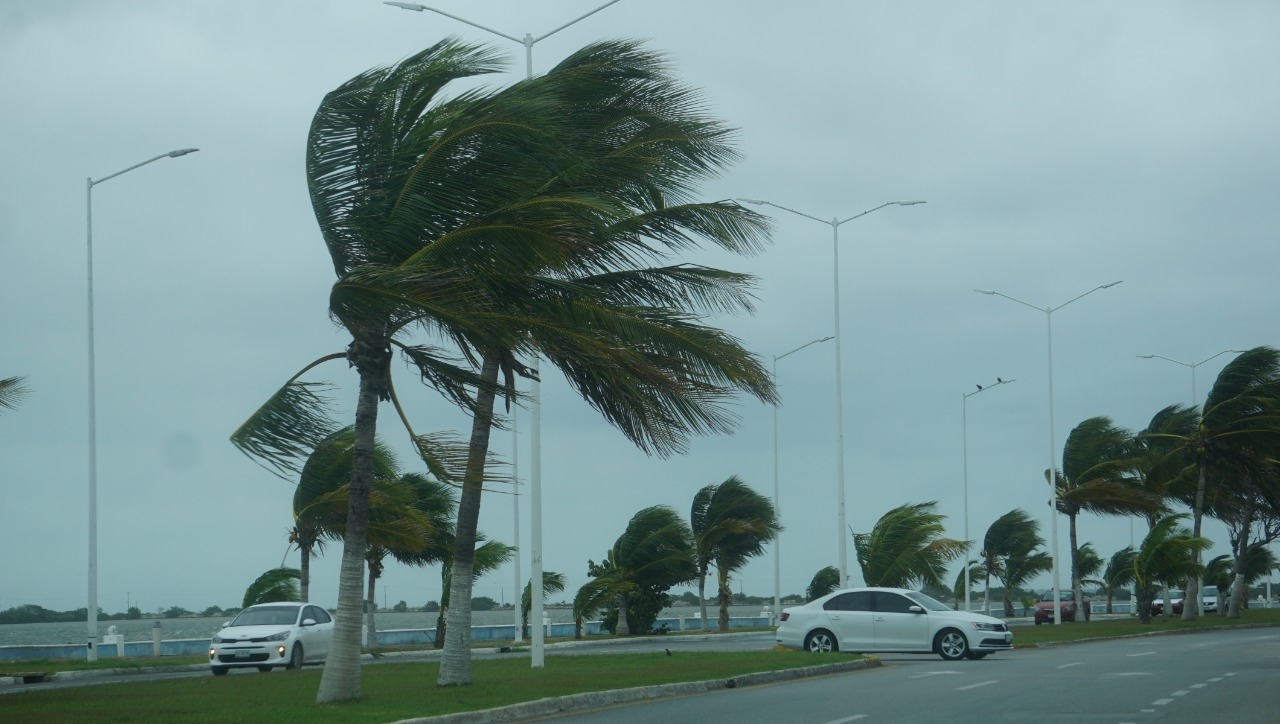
x: 277, y: 584
x: 905, y: 548
x: 12, y: 391
x: 1011, y: 554
x: 1118, y: 573
x: 1096, y: 462
x: 1168, y: 554
x: 731, y: 523
x: 654, y: 553
x: 552, y: 582
x: 825, y: 581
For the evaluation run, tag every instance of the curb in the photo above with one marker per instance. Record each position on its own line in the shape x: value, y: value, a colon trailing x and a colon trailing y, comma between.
x: 593, y: 700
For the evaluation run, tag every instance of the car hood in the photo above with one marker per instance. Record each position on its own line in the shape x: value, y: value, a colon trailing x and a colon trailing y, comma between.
x: 250, y: 632
x: 965, y: 616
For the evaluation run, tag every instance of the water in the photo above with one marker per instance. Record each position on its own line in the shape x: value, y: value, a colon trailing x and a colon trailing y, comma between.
x: 30, y: 634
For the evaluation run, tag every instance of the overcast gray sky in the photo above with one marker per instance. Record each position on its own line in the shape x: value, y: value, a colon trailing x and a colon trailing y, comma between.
x: 1060, y: 146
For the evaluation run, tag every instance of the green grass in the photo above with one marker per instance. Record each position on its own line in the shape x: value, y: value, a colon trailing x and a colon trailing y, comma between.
x: 1032, y: 635
x: 391, y: 691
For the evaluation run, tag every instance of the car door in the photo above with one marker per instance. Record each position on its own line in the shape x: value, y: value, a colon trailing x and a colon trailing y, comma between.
x: 896, y: 626
x: 849, y: 616
x: 319, y: 636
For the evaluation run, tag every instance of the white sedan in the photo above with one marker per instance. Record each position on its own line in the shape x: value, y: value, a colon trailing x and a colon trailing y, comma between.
x: 890, y: 620
x: 272, y: 634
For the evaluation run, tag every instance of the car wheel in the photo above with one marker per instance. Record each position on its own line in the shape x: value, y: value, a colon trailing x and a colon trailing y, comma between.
x: 295, y: 659
x: 264, y: 669
x: 975, y: 655
x: 821, y: 642
x: 1088, y: 615
x: 219, y: 670
x: 951, y: 644
x: 1038, y: 622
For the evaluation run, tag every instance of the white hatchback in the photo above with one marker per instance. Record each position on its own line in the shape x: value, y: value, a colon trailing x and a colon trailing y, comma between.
x: 890, y: 620
x: 272, y: 634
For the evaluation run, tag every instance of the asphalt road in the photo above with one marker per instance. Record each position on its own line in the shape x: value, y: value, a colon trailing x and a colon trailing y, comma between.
x: 1226, y: 676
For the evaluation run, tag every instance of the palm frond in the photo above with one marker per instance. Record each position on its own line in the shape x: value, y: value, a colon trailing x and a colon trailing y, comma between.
x: 13, y: 390
x: 295, y: 420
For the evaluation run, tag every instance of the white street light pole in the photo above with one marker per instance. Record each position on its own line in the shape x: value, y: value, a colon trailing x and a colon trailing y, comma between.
x: 1053, y: 464
x: 777, y: 509
x: 537, y: 637
x: 1191, y: 365
x: 93, y: 407
x: 964, y: 422
x: 835, y: 225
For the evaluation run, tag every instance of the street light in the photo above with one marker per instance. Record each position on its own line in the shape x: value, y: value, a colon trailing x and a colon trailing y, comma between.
x: 777, y: 510
x: 537, y: 637
x: 835, y: 225
x: 964, y: 422
x: 93, y: 413
x: 1192, y: 365
x: 1053, y: 465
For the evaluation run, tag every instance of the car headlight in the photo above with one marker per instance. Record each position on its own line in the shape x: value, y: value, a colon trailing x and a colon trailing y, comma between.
x: 283, y: 635
x: 986, y: 626
x: 216, y: 639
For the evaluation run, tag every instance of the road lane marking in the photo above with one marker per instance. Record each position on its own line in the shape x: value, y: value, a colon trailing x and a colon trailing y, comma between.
x: 1067, y: 666
x: 1161, y: 702
x: 1216, y: 679
x: 1127, y: 673
x: 855, y: 717
x: 930, y: 673
x: 974, y: 686
x: 1198, y: 686
x: 1231, y: 674
x: 1181, y: 692
x: 1144, y: 653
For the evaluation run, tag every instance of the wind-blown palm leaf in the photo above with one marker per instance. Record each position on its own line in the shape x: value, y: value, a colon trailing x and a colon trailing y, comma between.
x: 277, y: 584
x: 906, y: 547
x: 1168, y: 555
x: 552, y: 582
x: 731, y: 523
x: 13, y: 390
x: 825, y: 581
x: 1011, y: 553
x: 292, y: 423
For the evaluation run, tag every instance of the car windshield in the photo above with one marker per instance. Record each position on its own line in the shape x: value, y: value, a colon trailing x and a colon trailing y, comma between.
x: 1066, y: 595
x: 929, y: 604
x: 267, y: 616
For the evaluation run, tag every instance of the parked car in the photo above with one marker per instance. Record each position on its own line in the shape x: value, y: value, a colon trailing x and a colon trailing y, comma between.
x: 890, y: 620
x: 1044, y: 607
x: 271, y: 635
x: 1209, y: 599
x: 1157, y: 606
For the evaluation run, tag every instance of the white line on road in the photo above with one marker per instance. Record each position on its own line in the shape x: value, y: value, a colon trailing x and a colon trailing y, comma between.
x: 1144, y: 653
x: 1231, y: 674
x: 974, y: 686
x: 1067, y: 666
x: 1198, y: 686
x: 1181, y: 692
x: 930, y: 673
x: 855, y: 717
x: 1161, y: 702
x: 1216, y: 679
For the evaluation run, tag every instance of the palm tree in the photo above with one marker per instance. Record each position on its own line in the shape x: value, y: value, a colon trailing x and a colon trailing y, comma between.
x: 1011, y: 553
x: 1118, y: 573
x: 1096, y: 462
x: 591, y: 599
x: 905, y: 548
x: 825, y: 581
x: 12, y: 391
x: 731, y: 523
x: 654, y: 553
x: 1168, y: 554
x: 277, y: 584
x: 552, y: 582
x: 1239, y: 426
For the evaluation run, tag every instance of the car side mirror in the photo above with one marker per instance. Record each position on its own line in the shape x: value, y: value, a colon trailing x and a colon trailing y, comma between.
x: 226, y: 624
x: 308, y: 622
x: 915, y: 609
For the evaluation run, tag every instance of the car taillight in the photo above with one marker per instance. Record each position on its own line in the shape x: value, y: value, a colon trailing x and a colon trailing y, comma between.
x: 784, y: 616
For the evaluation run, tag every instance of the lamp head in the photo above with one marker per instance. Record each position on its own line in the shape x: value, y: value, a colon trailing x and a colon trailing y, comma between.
x: 405, y: 6
x: 908, y: 203
x: 182, y: 152
x: 1147, y: 356
x: 757, y: 202
x: 1108, y: 286
x: 984, y: 291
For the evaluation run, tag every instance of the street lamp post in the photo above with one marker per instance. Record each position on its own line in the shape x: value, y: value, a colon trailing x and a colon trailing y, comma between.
x: 537, y: 637
x: 835, y: 225
x: 1199, y: 602
x: 964, y: 423
x: 1053, y: 465
x: 93, y: 408
x: 777, y: 509
x: 1191, y: 365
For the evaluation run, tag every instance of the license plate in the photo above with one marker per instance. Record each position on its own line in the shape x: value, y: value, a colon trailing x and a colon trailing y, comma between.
x: 242, y: 654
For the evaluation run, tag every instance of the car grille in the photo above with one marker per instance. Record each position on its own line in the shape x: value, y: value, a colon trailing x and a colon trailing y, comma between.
x: 257, y: 640
x: 995, y: 643
x: 233, y: 659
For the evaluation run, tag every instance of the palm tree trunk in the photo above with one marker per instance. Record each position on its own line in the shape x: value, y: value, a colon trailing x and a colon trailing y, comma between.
x: 340, y: 680
x: 623, y: 628
x: 1239, y: 592
x: 455, y: 662
x: 304, y: 582
x: 1192, y: 593
x: 1077, y: 599
x: 371, y: 628
x: 702, y: 594
x: 726, y: 596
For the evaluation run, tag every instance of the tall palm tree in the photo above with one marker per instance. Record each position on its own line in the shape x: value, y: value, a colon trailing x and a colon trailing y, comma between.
x: 1168, y: 554
x: 1011, y: 553
x: 12, y: 391
x: 1118, y: 573
x: 906, y: 548
x: 825, y: 581
x: 1239, y: 425
x: 593, y: 597
x: 654, y: 553
x: 1096, y: 463
x: 731, y: 524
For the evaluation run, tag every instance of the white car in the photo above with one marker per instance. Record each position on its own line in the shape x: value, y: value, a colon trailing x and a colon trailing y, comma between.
x: 272, y: 634
x: 890, y: 620
x: 1209, y: 599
